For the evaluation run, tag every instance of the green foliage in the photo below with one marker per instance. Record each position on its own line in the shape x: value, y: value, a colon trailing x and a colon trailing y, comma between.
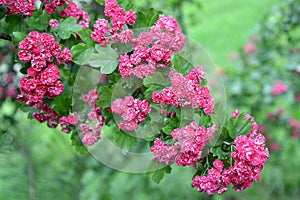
x: 13, y: 23
x: 85, y: 35
x: 67, y: 27
x: 105, y: 94
x: 106, y: 59
x: 124, y: 140
x: 39, y: 20
x: 158, y: 174
x: 81, y: 53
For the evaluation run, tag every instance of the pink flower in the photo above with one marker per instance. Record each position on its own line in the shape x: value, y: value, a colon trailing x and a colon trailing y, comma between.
x: 130, y: 17
x: 235, y: 113
x: 53, y: 23
x: 250, y: 48
x: 133, y: 111
x: 72, y: 119
x: 89, y: 139
x: 279, y: 88
x: 19, y: 7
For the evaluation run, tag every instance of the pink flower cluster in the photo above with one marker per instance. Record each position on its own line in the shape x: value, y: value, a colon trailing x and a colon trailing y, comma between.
x: 51, y: 6
x: 133, y: 111
x: 119, y: 18
x: 43, y: 75
x: 46, y: 114
x: 72, y: 10
x: 249, y: 158
x: 91, y: 131
x: 186, y: 91
x: 187, y: 148
x: 19, y: 7
x: 53, y: 23
x: 65, y: 122
x: 152, y: 49
x: 279, y: 88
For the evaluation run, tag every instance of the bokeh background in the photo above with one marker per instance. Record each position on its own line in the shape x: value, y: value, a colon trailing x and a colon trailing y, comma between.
x: 255, y: 46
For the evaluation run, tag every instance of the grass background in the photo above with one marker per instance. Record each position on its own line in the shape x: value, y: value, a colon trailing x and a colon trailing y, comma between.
x: 225, y: 25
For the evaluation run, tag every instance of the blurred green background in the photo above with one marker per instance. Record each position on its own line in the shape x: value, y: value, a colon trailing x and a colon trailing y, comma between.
x: 41, y: 163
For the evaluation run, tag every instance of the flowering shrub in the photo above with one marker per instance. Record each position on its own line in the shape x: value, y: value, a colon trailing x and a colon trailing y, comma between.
x: 145, y: 82
x: 268, y: 77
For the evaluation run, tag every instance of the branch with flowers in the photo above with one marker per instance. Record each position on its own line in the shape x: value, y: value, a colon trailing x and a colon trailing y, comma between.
x: 144, y: 83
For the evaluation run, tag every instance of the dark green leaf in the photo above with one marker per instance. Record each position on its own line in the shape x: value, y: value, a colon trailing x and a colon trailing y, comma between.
x: 239, y: 126
x: 105, y: 97
x: 85, y: 35
x: 152, y: 16
x: 13, y: 23
x: 38, y: 21
x: 3, y: 11
x: 141, y: 20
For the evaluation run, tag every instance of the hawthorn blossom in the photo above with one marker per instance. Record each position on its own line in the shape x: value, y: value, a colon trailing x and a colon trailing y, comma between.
x: 186, y: 91
x: 187, y: 147
x: 53, y: 23
x: 133, y: 111
x: 18, y: 7
x: 249, y: 157
x: 42, y: 82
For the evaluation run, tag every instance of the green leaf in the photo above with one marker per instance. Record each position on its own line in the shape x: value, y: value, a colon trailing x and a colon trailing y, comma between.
x: 152, y: 16
x: 124, y: 140
x: 77, y: 143
x: 38, y: 21
x: 67, y: 27
x: 181, y: 63
x: 158, y: 175
x: 18, y: 37
x: 13, y: 23
x: 156, y: 79
x: 238, y: 126
x: 80, y: 53
x: 3, y: 11
x: 151, y: 89
x: 141, y: 20
x: 105, y: 94
x: 62, y: 104
x: 105, y: 58
x: 101, y: 2
x: 85, y: 35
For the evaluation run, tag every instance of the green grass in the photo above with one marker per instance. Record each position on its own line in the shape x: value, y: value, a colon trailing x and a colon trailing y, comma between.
x: 225, y: 26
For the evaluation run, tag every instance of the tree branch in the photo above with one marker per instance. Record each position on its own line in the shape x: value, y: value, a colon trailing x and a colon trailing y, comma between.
x: 5, y: 37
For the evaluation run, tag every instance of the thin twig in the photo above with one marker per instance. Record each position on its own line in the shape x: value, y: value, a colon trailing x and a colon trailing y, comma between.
x: 5, y: 37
